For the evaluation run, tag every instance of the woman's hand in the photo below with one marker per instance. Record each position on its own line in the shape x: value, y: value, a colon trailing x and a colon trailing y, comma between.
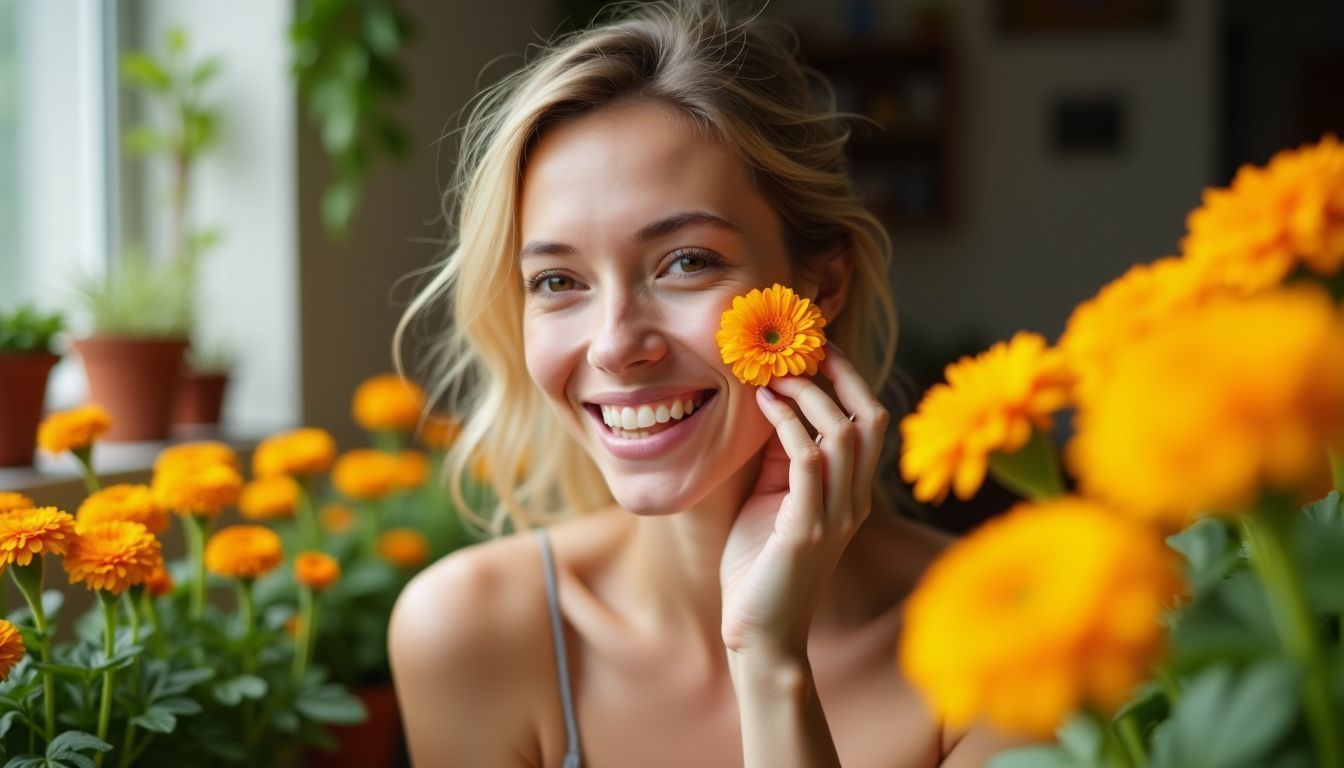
x: 809, y: 501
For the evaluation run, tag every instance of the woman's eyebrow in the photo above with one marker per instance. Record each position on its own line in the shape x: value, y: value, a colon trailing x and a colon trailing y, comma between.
x: 653, y: 231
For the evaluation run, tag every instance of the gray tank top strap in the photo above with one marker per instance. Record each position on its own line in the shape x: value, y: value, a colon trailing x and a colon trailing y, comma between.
x: 572, y: 758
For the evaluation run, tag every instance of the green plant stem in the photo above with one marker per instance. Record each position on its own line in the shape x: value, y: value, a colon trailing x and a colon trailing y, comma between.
x: 1337, y: 469
x: 247, y: 609
x: 84, y: 456
x: 29, y: 580
x: 132, y: 598
x: 1031, y: 471
x: 1131, y: 741
x: 387, y: 441
x: 368, y: 522
x: 312, y: 535
x: 194, y: 529
x: 152, y: 611
x: 1265, y: 530
x: 303, y: 641
x: 109, y: 603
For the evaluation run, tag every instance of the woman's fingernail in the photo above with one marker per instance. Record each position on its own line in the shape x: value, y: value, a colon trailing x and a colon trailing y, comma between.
x: 830, y: 344
x: 768, y: 394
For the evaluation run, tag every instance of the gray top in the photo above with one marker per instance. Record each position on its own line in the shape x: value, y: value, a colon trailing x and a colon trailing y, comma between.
x: 572, y: 756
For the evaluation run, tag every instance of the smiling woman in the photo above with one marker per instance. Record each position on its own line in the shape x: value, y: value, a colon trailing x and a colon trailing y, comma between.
x: 710, y: 565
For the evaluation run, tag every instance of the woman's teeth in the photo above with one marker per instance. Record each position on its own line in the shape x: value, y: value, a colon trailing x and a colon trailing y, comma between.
x: 633, y: 422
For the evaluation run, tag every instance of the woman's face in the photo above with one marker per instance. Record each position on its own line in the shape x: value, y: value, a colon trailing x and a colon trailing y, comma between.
x: 636, y: 234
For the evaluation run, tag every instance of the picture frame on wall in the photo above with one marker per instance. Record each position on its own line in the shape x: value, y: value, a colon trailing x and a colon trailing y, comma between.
x: 1067, y: 17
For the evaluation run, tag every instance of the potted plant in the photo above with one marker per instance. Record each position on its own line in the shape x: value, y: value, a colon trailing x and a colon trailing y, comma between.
x: 202, y: 385
x: 26, y: 358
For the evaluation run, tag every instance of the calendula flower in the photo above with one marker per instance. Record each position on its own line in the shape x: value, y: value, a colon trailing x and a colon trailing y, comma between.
x: 316, y: 570
x: 73, y: 430
x: 337, y: 518
x: 1236, y: 395
x: 11, y: 648
x: 269, y: 498
x: 1037, y: 613
x: 135, y: 503
x: 990, y: 403
x: 771, y: 333
x: 243, y: 552
x: 196, y: 453
x: 387, y: 402
x: 405, y: 547
x: 197, y: 489
x: 10, y: 500
x: 113, y: 555
x: 438, y: 433
x: 364, y: 474
x: 159, y: 583
x: 1272, y: 219
x: 36, y: 531
x: 300, y: 452
x: 412, y: 470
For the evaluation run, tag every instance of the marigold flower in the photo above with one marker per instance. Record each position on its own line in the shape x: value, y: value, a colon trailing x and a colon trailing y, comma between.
x: 269, y: 498
x: 1231, y: 397
x: 11, y: 648
x: 135, y: 503
x: 364, y: 474
x: 771, y: 333
x: 316, y: 570
x: 11, y: 500
x: 412, y: 470
x: 438, y: 433
x: 197, y: 489
x: 36, y: 531
x: 113, y: 555
x: 74, y: 429
x: 1038, y: 612
x: 159, y: 583
x: 243, y: 552
x: 990, y: 403
x: 305, y: 451
x: 405, y: 547
x: 387, y: 402
x: 1257, y: 231
x: 337, y: 518
x: 200, y: 452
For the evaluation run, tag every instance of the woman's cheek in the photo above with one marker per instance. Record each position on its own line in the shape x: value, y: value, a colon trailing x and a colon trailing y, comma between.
x: 551, y: 350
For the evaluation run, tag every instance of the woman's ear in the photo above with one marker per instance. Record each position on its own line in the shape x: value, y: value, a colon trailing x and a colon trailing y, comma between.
x: 833, y: 282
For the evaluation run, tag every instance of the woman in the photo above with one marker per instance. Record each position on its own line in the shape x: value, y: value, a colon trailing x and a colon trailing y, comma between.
x: 723, y: 586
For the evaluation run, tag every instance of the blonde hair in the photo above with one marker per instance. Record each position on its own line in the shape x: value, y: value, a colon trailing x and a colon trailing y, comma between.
x: 740, y: 82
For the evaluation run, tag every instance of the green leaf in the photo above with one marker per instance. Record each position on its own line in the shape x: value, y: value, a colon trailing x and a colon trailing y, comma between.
x: 1319, y: 546
x: 7, y: 722
x: 179, y: 705
x: 338, y: 206
x: 1209, y: 549
x: 140, y: 70
x: 75, y: 741
x: 1326, y: 510
x: 185, y: 679
x: 206, y: 71
x: 1227, y: 719
x: 145, y: 140
x: 1081, y: 737
x: 330, y: 704
x: 380, y: 30
x: 1036, y: 757
x: 156, y: 719
x: 1229, y: 622
x: 232, y: 691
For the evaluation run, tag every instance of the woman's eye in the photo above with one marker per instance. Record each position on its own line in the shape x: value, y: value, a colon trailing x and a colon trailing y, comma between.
x: 549, y: 282
x: 690, y: 263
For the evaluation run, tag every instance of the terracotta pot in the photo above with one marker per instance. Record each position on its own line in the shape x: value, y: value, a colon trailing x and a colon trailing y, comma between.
x: 23, y: 388
x: 375, y: 743
x: 200, y: 397
x: 135, y: 380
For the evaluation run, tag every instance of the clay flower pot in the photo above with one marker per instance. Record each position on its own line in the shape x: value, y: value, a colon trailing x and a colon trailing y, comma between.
x: 375, y: 742
x: 135, y: 379
x: 23, y: 388
x: 200, y: 397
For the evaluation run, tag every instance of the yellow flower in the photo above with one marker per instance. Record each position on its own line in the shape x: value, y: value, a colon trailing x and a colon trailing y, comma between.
x: 74, y: 429
x: 269, y: 498
x: 364, y: 474
x: 316, y: 570
x: 388, y: 402
x: 135, y: 503
x: 771, y: 333
x: 37, y: 531
x: 197, y: 489
x: 113, y: 555
x: 404, y: 547
x: 202, y: 452
x: 438, y: 433
x: 243, y: 552
x: 1233, y: 396
x: 1271, y: 219
x: 1037, y: 613
x: 337, y: 518
x: 306, y: 451
x: 989, y: 404
x: 11, y: 648
x: 412, y: 470
x: 10, y: 501
x: 159, y: 582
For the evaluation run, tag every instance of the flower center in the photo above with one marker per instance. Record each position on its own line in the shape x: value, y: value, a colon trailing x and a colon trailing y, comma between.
x: 772, y: 336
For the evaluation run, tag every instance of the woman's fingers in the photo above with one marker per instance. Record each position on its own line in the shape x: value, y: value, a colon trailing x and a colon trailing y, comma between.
x: 838, y: 437
x: 870, y: 419
x: 805, y: 467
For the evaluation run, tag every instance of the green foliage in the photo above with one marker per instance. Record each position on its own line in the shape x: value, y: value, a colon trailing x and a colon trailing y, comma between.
x: 27, y: 330
x: 346, y: 57
x: 141, y: 299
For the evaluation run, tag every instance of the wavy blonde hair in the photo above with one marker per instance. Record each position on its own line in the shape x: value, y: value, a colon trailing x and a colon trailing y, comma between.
x: 741, y: 83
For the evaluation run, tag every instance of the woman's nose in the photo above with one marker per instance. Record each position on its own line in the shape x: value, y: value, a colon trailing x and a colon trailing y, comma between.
x: 626, y: 336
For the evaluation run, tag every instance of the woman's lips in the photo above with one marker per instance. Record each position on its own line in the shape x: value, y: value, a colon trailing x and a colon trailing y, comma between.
x: 655, y: 442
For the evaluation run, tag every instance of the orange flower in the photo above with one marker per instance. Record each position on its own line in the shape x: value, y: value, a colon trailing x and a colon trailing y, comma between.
x: 197, y: 489
x: 306, y: 451
x: 412, y: 470
x: 73, y: 430
x: 404, y: 547
x: 113, y: 555
x: 771, y: 333
x: 388, y: 402
x: 159, y: 583
x: 316, y: 570
x: 440, y: 432
x: 269, y: 498
x: 202, y: 452
x: 243, y: 552
x: 364, y: 474
x: 37, y: 531
x: 337, y: 518
x: 11, y: 648
x: 10, y: 501
x: 135, y: 503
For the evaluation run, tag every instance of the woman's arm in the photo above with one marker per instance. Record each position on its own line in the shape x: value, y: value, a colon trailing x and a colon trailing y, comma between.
x: 782, y: 721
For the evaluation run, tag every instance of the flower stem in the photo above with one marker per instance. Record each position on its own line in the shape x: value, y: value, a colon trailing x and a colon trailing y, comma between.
x: 85, y: 458
x: 1031, y: 471
x: 194, y: 529
x: 29, y: 580
x: 248, y: 611
x: 368, y: 513
x: 1337, y: 469
x: 1266, y: 533
x: 308, y: 515
x: 387, y: 441
x: 152, y: 612
x: 304, y: 639
x: 1131, y: 741
x: 109, y: 602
